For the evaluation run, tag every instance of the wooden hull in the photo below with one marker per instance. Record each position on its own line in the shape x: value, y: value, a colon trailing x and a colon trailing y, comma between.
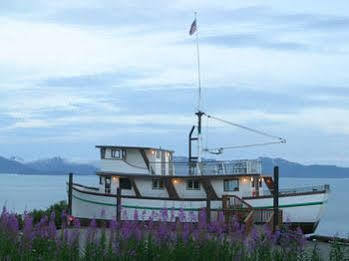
x: 304, y: 210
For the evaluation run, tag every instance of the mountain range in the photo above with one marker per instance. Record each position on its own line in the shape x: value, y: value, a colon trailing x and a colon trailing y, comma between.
x: 60, y: 166
x: 51, y: 166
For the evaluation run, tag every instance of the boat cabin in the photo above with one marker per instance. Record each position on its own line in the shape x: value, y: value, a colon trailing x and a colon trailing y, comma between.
x: 152, y: 172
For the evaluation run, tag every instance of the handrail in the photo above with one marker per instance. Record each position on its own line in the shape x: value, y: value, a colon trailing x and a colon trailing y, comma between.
x: 236, y: 201
x: 212, y: 167
x: 249, y: 221
x: 83, y: 186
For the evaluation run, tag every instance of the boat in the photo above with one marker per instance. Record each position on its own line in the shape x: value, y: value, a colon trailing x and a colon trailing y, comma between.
x: 139, y: 183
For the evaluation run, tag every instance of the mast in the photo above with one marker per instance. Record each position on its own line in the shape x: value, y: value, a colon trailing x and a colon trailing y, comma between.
x: 199, y: 113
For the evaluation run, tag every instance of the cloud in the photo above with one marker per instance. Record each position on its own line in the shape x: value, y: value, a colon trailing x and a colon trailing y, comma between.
x: 253, y: 40
x: 87, y: 71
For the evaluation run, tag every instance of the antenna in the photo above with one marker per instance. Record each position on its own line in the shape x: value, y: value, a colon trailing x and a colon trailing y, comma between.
x: 199, y: 113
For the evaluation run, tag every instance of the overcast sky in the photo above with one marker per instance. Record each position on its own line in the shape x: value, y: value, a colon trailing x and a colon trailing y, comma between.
x: 75, y: 74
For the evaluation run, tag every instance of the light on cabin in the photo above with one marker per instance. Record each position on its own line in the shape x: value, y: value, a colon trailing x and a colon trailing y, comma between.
x: 176, y: 181
x: 244, y: 180
x: 152, y: 152
x: 251, y: 179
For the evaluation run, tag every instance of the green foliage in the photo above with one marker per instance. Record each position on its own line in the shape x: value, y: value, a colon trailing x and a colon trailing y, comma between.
x: 58, y: 209
x: 146, y: 241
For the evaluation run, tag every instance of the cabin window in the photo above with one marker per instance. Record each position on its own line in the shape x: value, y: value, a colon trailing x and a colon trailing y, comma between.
x: 102, y: 153
x: 231, y: 185
x: 115, y: 154
x: 260, y: 182
x: 157, y: 184
x: 125, y: 183
x: 107, y: 185
x: 100, y: 180
x: 193, y: 184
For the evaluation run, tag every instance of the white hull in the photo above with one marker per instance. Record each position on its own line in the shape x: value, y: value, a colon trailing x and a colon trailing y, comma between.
x: 299, y: 209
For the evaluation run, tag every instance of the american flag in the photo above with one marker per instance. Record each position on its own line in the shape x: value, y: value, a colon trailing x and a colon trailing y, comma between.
x: 193, y: 28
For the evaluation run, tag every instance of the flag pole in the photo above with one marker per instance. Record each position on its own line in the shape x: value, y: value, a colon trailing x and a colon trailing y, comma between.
x: 199, y: 112
x: 198, y: 61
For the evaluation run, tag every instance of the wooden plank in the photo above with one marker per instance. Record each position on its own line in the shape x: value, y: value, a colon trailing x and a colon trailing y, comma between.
x: 270, y: 184
x: 135, y: 188
x: 70, y: 194
x: 210, y: 192
x: 118, y: 204
x: 171, y: 190
x: 146, y: 161
x: 276, y: 198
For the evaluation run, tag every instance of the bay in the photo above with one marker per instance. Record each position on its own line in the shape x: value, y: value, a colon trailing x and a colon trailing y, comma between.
x: 26, y: 192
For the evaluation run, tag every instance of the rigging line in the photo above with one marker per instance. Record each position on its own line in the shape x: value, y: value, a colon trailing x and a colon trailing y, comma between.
x: 282, y: 140
x: 207, y: 127
x: 245, y: 146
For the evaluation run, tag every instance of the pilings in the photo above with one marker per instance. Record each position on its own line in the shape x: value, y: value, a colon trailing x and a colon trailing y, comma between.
x: 276, y: 198
x: 208, y: 210
x: 70, y: 193
x: 118, y: 204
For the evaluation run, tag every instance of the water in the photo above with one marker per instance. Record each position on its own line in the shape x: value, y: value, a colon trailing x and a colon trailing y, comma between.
x: 26, y: 192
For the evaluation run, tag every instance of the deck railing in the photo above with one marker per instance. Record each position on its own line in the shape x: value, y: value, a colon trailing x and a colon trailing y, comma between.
x: 289, y: 191
x: 210, y: 167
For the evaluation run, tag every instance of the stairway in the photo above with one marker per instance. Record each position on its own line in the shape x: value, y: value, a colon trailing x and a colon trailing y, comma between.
x: 246, y: 214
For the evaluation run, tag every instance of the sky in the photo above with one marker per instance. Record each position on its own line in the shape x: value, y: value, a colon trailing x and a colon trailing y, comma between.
x: 75, y: 74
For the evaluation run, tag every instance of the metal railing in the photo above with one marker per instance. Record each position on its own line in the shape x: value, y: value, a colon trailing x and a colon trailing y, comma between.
x: 210, y: 167
x: 288, y: 191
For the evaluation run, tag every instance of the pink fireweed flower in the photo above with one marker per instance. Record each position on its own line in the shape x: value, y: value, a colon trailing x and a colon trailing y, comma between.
x: 126, y: 230
x: 52, y: 231
x: 164, y: 215
x: 91, y: 232
x: 103, y: 212
x: 162, y: 232
x: 186, y: 232
x: 181, y: 215
x: 135, y: 215
x: 41, y: 228
x: 28, y: 234
x: 192, y: 216
x: 173, y: 216
x: 144, y: 213
x: 124, y: 214
x: 300, y: 238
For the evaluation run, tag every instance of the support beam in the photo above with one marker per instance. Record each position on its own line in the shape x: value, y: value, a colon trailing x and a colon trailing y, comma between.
x: 270, y: 184
x: 276, y: 198
x: 118, y: 204
x: 146, y: 161
x: 208, y: 210
x: 171, y: 190
x: 210, y: 192
x: 135, y: 188
x: 70, y: 194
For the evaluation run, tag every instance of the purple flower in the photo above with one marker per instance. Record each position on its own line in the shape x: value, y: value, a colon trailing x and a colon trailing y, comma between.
x: 103, y: 213
x: 173, y: 216
x: 52, y: 229
x: 126, y: 230
x: 192, y: 216
x: 164, y: 215
x: 186, y: 232
x: 91, y: 232
x: 181, y: 215
x: 144, y: 215
x: 135, y: 215
x: 124, y: 214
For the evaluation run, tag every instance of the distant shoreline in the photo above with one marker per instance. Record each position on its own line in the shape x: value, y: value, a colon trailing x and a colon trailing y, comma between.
x: 40, y: 174
x: 93, y: 174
